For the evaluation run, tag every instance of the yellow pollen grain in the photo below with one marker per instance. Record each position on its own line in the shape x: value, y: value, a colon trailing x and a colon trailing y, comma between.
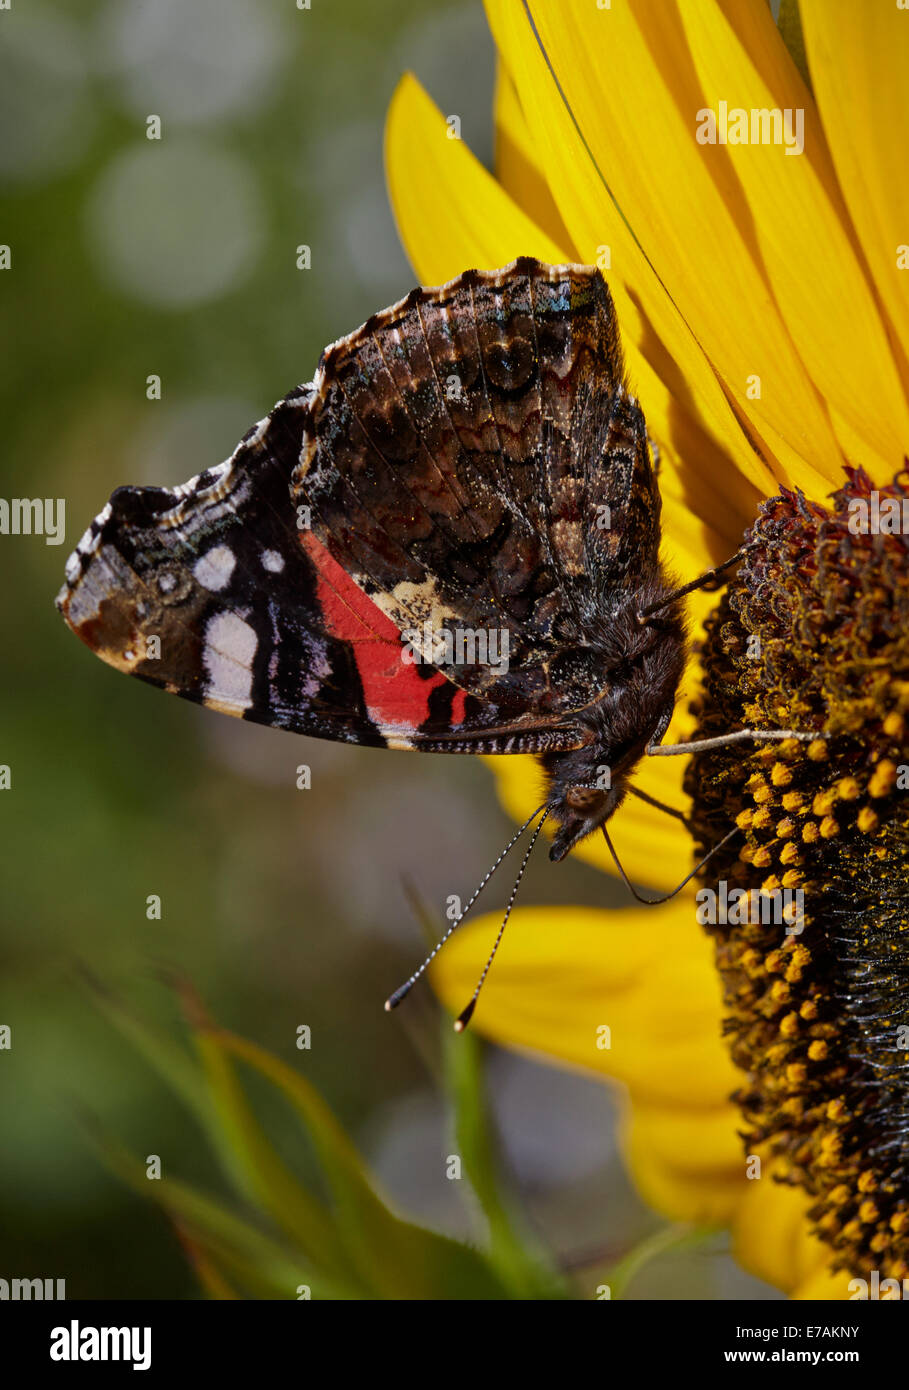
x: 791, y: 878
x: 824, y: 802
x: 801, y: 958
x: 793, y: 801
x: 789, y: 854
x: 762, y: 794
x: 785, y: 828
x: 893, y: 725
x: 810, y: 832
x: 817, y: 1050
x: 795, y: 1073
x: 866, y: 1182
x: 809, y: 1012
x: 847, y: 789
x: 867, y: 820
x: 829, y: 828
x: 762, y: 818
x: 817, y: 750
x: 780, y: 775
x: 789, y: 1026
x: 882, y: 778
x: 744, y: 818
x: 761, y: 857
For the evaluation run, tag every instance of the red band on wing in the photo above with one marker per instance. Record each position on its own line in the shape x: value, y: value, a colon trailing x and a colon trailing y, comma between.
x: 395, y: 694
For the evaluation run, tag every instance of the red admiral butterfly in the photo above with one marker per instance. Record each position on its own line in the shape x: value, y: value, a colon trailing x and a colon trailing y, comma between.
x: 448, y: 541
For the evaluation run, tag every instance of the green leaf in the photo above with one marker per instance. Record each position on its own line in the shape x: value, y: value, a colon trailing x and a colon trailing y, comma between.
x: 522, y: 1266
x: 261, y: 1173
x: 393, y: 1257
x: 673, y: 1237
x: 227, y: 1239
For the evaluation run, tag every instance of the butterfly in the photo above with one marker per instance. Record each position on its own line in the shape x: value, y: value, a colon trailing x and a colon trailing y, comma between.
x: 448, y: 542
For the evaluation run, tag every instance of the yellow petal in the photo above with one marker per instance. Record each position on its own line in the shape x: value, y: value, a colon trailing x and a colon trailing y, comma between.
x: 859, y: 61
x: 516, y: 164
x: 790, y: 213
x: 687, y: 1164
x: 562, y: 975
x: 823, y: 1284
x: 635, y: 138
x: 451, y: 213
x: 771, y: 1237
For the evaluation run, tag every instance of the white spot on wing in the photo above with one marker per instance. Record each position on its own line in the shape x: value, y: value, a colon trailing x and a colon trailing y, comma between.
x: 272, y: 561
x: 230, y: 645
x: 214, y: 569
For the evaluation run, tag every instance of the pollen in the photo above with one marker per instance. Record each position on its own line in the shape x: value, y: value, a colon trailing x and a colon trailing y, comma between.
x: 883, y: 779
x: 893, y: 725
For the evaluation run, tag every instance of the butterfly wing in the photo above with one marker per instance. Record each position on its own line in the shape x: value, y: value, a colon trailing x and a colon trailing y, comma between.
x: 440, y: 480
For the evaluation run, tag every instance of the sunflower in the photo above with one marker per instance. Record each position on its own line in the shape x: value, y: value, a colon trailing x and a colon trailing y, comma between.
x: 764, y: 304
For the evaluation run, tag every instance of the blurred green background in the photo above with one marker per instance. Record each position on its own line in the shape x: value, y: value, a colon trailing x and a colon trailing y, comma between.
x: 133, y: 257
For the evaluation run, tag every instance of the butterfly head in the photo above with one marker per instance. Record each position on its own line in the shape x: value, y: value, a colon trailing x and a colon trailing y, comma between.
x: 581, y: 810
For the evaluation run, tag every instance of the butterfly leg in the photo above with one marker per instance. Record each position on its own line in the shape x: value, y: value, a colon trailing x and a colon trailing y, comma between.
x: 659, y: 805
x: 669, y: 750
x: 707, y: 580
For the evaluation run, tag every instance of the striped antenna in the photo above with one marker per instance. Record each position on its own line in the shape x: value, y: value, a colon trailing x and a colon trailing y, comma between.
x: 402, y: 991
x: 464, y: 1016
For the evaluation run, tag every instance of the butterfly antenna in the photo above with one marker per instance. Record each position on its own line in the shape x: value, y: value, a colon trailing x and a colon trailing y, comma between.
x: 464, y: 1016
x: 402, y: 991
x: 652, y: 902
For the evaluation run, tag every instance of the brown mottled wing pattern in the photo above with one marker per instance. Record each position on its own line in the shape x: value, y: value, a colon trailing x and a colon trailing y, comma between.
x: 462, y: 454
